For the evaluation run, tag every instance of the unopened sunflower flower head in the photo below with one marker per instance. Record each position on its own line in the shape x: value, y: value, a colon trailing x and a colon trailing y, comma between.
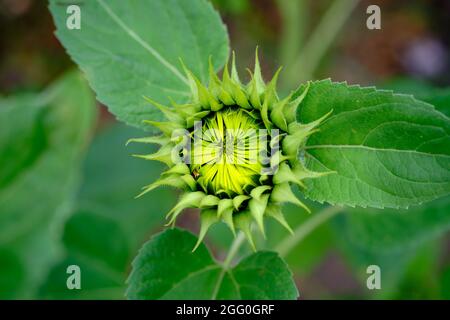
x: 234, y: 149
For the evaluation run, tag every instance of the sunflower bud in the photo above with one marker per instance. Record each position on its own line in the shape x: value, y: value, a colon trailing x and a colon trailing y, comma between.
x: 234, y: 150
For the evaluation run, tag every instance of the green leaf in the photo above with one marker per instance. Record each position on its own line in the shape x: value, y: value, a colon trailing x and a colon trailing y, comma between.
x: 166, y: 268
x: 42, y: 141
x: 438, y: 97
x: 386, y: 150
x: 130, y: 49
x: 109, y: 225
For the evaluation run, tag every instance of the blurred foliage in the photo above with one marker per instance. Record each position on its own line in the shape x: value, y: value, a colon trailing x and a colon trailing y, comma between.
x: 109, y: 225
x: 42, y: 139
x: 392, y: 239
x: 232, y: 6
x: 54, y: 213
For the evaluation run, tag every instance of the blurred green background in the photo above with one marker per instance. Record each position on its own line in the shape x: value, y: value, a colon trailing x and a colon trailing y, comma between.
x: 67, y: 181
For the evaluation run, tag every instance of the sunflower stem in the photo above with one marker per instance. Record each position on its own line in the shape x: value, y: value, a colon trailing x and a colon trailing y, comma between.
x: 303, y: 230
x: 238, y: 241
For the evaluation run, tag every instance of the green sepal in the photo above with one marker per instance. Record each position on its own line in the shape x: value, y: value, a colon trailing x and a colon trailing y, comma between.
x: 165, y: 127
x: 224, y: 204
x: 207, y: 100
x: 257, y: 207
x: 278, y: 114
x: 170, y: 114
x: 290, y: 111
x: 302, y: 173
x: 190, y: 120
x: 191, y: 82
x: 265, y: 116
x: 257, y: 192
x: 270, y: 94
x: 275, y: 141
x: 283, y: 193
x: 234, y: 89
x: 254, y: 95
x: 243, y: 221
x: 238, y: 200
x: 278, y: 158
x: 260, y: 85
x: 298, y: 135
x: 274, y: 211
x: 187, y: 200
x: 189, y: 181
x: 225, y: 212
x: 186, y: 109
x: 227, y: 217
x: 291, y: 143
x: 207, y: 219
x: 180, y: 169
x: 180, y: 182
x: 234, y: 73
x: 164, y: 155
x: 161, y: 140
x: 163, y: 181
x: 264, y: 178
x: 305, y: 130
x: 284, y: 174
x: 215, y: 86
x: 209, y: 201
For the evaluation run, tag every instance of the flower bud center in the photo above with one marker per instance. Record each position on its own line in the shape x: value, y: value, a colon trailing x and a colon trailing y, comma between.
x: 227, y: 152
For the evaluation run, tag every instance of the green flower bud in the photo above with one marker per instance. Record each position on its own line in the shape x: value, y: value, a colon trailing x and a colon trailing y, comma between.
x: 234, y: 150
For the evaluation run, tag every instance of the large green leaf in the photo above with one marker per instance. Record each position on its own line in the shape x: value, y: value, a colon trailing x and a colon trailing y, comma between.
x: 132, y: 48
x: 109, y: 224
x: 42, y: 139
x: 166, y: 268
x: 386, y: 150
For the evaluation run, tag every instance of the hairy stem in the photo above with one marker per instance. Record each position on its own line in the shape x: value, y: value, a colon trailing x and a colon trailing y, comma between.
x: 322, y: 38
x: 302, y: 231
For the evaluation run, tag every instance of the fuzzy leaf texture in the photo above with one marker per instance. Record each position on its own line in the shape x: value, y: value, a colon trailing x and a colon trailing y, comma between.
x: 388, y: 150
x: 130, y: 49
x: 166, y: 268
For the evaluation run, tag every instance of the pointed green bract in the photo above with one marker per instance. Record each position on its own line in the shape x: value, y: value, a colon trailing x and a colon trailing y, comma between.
x: 243, y: 185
